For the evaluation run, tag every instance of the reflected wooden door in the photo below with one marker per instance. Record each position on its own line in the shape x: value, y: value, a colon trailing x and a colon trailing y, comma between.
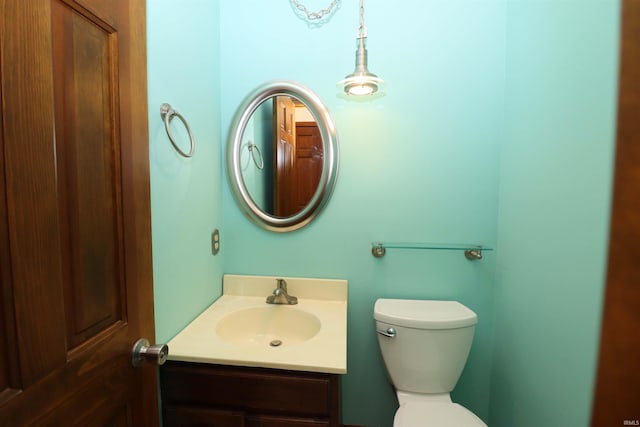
x: 308, y: 165
x: 284, y: 155
x: 617, y: 399
x: 75, y: 268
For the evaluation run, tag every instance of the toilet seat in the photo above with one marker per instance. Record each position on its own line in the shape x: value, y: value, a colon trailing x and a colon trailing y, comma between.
x: 430, y: 414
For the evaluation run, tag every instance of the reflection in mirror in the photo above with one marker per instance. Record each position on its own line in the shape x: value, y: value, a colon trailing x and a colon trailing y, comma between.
x: 283, y: 137
x: 257, y: 150
x: 282, y: 156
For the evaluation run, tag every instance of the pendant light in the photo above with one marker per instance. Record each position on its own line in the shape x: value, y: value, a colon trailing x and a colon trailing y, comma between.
x: 361, y: 81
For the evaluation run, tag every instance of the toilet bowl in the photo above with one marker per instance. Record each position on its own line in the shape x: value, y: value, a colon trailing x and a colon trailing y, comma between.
x: 424, y: 345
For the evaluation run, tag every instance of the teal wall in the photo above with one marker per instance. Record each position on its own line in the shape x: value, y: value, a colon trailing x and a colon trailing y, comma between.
x: 554, y: 210
x: 183, y: 54
x: 420, y: 164
x: 496, y: 128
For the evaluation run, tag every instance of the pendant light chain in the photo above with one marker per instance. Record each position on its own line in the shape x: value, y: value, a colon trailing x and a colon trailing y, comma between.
x: 312, y: 16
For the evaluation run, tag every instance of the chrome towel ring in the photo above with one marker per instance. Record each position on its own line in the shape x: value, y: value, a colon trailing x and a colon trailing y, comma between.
x: 167, y: 113
x: 259, y: 164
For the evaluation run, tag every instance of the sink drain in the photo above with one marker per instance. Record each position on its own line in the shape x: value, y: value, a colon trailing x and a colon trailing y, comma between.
x: 275, y: 343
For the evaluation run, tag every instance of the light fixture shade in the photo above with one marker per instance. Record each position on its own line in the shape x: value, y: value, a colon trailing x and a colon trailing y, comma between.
x: 361, y: 81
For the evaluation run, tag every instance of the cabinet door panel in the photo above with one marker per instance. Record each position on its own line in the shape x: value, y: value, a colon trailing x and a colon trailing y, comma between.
x: 253, y: 390
x: 180, y: 416
x: 267, y: 397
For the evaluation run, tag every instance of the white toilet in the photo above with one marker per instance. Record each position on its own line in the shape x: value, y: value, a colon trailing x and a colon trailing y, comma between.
x: 425, y: 345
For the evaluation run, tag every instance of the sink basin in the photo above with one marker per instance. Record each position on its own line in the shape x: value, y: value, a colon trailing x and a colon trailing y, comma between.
x: 272, y: 325
x: 241, y: 329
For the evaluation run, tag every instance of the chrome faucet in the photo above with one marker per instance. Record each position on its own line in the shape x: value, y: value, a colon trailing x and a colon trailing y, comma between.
x: 280, y: 295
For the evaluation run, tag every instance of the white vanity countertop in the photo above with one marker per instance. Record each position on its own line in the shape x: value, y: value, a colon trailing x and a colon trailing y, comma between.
x: 326, y: 351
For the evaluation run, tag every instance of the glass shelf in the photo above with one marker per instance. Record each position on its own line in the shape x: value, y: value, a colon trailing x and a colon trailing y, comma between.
x: 471, y: 252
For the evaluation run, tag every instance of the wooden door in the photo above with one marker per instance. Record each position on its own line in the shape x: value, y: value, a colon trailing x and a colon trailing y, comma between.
x: 617, y: 395
x: 284, y: 155
x: 308, y: 166
x: 75, y: 267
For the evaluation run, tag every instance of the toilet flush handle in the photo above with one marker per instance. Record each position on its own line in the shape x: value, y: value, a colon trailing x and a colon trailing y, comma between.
x: 390, y: 332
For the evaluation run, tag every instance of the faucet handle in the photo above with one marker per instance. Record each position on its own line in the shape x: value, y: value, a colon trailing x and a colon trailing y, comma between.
x: 282, y: 284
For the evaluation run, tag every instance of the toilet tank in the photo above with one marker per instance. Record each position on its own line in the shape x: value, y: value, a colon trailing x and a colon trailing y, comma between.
x: 428, y: 347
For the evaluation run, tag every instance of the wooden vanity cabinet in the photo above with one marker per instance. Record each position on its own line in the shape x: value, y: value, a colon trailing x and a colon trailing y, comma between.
x: 199, y: 394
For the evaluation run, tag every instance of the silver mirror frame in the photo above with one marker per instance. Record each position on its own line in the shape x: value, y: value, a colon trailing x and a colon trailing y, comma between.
x: 330, y: 155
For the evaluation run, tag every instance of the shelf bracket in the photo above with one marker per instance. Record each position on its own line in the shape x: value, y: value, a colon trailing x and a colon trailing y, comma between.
x: 473, y: 254
x: 378, y: 250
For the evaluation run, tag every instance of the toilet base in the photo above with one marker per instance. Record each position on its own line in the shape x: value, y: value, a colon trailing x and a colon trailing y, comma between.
x: 415, y: 414
x: 432, y: 410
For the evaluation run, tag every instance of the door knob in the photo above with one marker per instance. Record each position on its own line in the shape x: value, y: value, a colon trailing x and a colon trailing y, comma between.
x: 142, y: 352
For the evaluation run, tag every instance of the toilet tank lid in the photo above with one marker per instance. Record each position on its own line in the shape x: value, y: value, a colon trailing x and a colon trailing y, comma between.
x: 424, y: 314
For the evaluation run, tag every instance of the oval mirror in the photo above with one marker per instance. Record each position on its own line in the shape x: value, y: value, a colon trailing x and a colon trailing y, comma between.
x: 282, y: 155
